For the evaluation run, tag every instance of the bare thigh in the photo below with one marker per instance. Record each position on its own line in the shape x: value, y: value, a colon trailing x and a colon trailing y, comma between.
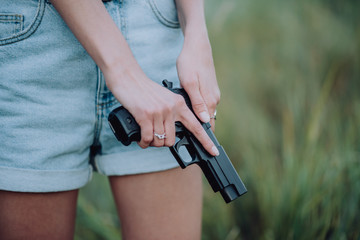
x: 161, y: 205
x: 37, y: 215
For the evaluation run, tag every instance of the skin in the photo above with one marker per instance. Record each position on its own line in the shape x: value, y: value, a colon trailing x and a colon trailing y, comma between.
x: 164, y: 205
x: 161, y: 205
x: 37, y: 215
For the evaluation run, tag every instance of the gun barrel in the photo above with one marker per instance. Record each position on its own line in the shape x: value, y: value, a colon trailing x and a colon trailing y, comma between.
x: 219, y: 172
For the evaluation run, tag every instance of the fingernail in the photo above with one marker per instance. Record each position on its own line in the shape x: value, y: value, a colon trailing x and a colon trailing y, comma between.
x: 215, y: 151
x: 205, y: 117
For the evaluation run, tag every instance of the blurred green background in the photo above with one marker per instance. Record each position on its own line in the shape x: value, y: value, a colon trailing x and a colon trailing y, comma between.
x: 289, y: 119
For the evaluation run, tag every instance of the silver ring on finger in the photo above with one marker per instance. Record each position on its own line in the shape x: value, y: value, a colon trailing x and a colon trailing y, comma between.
x: 213, y: 116
x: 160, y: 136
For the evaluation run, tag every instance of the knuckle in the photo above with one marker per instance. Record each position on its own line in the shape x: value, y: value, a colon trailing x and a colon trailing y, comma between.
x: 167, y: 108
x: 217, y: 97
x: 146, y: 113
x: 180, y: 101
x: 151, y: 111
x: 149, y: 115
x: 198, y: 105
x: 147, y: 139
x: 142, y: 145
x: 213, y: 104
x: 198, y: 130
x: 142, y: 120
x: 190, y: 83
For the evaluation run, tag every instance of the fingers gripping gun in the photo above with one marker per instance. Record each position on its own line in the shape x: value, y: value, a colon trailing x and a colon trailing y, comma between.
x: 218, y: 170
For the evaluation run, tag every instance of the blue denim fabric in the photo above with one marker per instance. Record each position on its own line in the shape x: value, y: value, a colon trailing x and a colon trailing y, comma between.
x: 54, y: 101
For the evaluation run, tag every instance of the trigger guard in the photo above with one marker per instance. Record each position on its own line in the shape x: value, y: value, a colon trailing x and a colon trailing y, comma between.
x: 176, y: 153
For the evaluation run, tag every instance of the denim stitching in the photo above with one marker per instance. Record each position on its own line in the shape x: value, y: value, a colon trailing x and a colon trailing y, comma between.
x: 6, y: 17
x: 15, y: 19
x: 121, y: 16
x: 161, y: 17
x: 109, y: 103
x: 30, y: 30
x: 97, y: 108
x: 22, y: 23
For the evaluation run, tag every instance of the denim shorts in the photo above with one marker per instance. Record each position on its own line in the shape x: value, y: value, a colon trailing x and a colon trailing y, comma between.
x: 54, y: 101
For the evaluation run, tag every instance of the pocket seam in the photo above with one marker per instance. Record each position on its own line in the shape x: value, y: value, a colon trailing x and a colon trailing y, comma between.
x: 13, y: 18
x: 29, y: 30
x: 164, y: 20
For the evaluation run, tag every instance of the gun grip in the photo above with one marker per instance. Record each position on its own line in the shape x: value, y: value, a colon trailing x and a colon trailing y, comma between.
x: 124, y: 126
x: 176, y: 152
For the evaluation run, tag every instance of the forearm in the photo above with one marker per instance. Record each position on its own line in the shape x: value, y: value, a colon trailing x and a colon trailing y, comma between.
x: 97, y: 32
x: 192, y: 18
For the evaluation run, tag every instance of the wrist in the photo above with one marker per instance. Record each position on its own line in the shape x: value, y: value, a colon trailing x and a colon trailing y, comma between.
x: 122, y: 74
x: 112, y: 59
x: 197, y: 42
x: 194, y: 27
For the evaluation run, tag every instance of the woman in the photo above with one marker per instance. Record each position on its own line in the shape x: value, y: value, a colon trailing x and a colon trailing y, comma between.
x: 64, y: 66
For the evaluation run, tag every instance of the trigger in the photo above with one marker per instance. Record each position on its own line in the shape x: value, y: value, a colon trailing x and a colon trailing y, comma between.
x: 175, y: 152
x: 183, y: 141
x: 185, y: 151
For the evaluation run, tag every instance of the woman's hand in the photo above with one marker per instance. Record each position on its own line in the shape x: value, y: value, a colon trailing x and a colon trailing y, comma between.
x: 197, y: 76
x: 155, y: 108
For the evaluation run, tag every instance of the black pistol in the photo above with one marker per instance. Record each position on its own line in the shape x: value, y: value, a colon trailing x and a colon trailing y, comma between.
x: 218, y: 170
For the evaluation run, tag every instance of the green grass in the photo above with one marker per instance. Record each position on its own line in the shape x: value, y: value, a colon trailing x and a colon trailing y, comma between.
x: 289, y: 119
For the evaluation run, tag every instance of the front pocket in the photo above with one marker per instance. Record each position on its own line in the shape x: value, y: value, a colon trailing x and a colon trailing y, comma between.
x: 10, y: 24
x: 12, y: 27
x: 166, y: 12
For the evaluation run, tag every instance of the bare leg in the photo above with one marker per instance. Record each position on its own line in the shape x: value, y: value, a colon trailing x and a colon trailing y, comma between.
x: 161, y: 205
x: 37, y: 215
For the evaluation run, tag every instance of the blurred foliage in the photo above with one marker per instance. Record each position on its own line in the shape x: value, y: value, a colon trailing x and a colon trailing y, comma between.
x: 289, y: 119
